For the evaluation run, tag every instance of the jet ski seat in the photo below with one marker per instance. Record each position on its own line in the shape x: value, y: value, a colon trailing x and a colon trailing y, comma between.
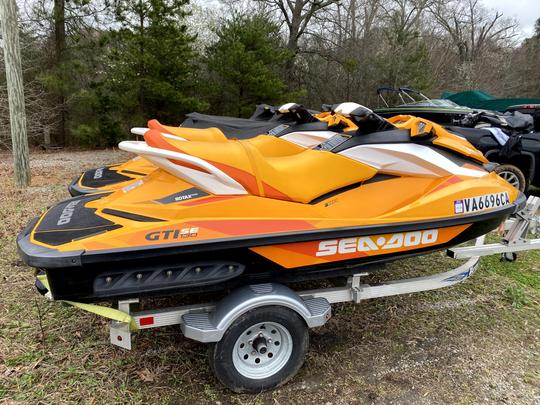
x: 190, y: 134
x: 270, y: 167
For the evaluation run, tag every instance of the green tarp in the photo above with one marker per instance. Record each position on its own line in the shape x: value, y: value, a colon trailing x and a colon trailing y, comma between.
x: 485, y: 101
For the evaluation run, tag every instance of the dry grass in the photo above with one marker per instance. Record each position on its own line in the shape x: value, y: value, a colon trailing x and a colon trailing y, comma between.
x: 475, y: 343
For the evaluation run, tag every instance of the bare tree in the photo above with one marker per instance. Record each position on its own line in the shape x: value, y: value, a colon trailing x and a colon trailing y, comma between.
x: 297, y: 15
x: 472, y: 27
x: 12, y: 60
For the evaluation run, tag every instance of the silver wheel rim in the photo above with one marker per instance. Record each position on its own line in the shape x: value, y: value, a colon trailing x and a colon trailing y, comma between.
x: 262, y: 350
x: 511, y: 178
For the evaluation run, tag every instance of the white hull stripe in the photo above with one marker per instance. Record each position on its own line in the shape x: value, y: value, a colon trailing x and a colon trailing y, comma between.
x: 308, y: 139
x: 408, y: 160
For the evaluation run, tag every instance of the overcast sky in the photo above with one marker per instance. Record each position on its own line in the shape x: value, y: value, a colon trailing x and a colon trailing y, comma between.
x: 526, y: 12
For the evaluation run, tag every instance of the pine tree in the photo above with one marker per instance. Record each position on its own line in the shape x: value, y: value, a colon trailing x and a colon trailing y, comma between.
x: 245, y: 65
x: 155, y: 54
x: 147, y: 71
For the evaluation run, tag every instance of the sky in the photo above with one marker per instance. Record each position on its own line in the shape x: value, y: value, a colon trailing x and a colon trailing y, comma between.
x: 525, y: 11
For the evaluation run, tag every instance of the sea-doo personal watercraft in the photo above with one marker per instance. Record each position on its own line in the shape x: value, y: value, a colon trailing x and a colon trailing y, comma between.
x: 241, y: 211
x: 263, y: 120
x: 291, y: 121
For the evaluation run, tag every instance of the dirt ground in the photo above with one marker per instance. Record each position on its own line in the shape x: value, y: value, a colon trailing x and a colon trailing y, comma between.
x: 478, y: 342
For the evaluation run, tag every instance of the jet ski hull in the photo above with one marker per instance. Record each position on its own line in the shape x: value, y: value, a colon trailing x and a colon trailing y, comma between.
x: 201, y: 266
x: 227, y: 212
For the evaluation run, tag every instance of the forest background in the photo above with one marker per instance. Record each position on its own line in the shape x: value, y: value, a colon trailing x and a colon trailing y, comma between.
x: 95, y: 68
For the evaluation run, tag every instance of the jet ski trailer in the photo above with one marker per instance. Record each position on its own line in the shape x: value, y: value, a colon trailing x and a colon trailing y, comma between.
x: 258, y: 333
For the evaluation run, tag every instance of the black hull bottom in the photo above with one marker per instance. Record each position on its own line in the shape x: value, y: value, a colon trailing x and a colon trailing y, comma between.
x: 201, y: 272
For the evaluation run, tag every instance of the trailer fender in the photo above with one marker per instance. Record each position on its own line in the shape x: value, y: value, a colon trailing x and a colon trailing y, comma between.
x: 211, y: 326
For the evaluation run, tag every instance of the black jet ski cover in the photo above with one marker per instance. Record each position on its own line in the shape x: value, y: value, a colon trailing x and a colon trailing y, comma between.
x: 265, y: 120
x: 511, y: 122
x: 241, y: 128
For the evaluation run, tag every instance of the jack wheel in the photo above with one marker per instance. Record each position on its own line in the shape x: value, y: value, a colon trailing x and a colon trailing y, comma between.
x: 261, y: 350
x: 509, y: 257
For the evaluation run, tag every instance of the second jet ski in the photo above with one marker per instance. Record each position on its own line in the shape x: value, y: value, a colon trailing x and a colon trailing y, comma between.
x: 291, y: 121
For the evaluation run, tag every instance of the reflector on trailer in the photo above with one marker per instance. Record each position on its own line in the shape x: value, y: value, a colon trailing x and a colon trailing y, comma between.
x: 148, y: 320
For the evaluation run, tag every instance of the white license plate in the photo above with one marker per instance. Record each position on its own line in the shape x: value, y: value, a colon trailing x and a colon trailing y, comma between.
x: 481, y: 203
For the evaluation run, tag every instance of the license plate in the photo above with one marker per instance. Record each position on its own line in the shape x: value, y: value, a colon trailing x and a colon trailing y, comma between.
x: 480, y: 203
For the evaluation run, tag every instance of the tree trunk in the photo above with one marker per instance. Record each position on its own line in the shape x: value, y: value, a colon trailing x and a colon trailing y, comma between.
x: 292, y: 42
x: 141, y: 57
x: 17, y: 115
x: 60, y: 48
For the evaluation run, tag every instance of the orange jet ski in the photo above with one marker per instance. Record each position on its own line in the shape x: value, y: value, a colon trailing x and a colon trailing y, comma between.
x: 227, y: 213
x: 290, y: 121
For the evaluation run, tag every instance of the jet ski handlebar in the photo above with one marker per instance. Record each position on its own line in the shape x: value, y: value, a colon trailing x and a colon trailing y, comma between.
x: 366, y: 120
x: 298, y: 112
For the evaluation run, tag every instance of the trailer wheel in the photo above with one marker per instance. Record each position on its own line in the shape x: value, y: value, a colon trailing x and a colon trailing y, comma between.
x: 509, y: 256
x: 261, y: 350
x: 512, y: 175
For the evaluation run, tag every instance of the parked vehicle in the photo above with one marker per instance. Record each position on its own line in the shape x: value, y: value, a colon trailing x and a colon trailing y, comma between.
x: 531, y: 109
x: 252, y: 216
x: 518, y: 159
x: 405, y: 100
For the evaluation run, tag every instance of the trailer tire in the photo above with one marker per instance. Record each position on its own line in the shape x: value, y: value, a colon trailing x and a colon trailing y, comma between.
x: 262, y: 349
x: 508, y: 257
x: 513, y: 175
